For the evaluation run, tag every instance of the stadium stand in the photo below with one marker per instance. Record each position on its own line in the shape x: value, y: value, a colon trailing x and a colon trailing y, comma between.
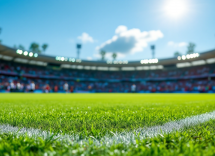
x: 52, y: 74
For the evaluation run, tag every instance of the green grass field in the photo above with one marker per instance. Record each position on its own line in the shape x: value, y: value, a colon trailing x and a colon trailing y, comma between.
x: 98, y: 115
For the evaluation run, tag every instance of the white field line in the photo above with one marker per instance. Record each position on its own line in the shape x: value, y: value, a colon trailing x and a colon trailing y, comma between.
x: 124, y: 137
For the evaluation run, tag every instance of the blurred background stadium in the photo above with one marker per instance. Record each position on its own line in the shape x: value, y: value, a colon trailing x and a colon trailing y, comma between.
x: 193, y: 72
x: 157, y: 47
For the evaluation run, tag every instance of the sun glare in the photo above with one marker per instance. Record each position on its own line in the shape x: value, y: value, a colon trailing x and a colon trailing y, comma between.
x: 175, y: 8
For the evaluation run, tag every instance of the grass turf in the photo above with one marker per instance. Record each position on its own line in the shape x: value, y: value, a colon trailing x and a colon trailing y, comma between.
x: 98, y: 114
x: 194, y: 141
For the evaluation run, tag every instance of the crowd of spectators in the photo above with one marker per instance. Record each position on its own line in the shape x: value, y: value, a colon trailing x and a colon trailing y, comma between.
x: 20, y: 78
x: 36, y: 71
x: 11, y: 83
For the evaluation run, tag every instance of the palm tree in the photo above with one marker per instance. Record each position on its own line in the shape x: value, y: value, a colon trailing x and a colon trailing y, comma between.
x: 102, y: 53
x: 176, y: 54
x: 114, y: 55
x: 44, y: 47
x: 35, y: 47
x: 21, y: 47
x: 190, y: 48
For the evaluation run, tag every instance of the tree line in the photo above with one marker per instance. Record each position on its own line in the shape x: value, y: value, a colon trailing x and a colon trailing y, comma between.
x: 190, y: 50
x: 103, y: 53
x: 34, y: 47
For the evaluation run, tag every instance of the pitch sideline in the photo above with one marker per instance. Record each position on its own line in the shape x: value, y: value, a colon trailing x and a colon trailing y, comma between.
x: 123, y: 137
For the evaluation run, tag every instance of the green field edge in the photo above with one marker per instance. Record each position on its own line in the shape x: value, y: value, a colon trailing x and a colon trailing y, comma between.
x: 101, y: 114
x: 196, y: 140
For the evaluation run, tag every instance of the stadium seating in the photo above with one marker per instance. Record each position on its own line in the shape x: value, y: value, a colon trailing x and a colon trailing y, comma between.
x: 194, y: 79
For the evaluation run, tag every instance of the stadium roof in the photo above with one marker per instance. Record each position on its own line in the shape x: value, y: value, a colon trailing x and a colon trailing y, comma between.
x: 20, y: 56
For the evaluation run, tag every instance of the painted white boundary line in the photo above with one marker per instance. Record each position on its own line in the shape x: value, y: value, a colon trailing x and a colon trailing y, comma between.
x: 124, y: 137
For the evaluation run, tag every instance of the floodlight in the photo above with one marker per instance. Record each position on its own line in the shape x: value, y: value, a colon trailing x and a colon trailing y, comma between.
x: 153, y: 50
x: 142, y: 61
x: 78, y: 50
x: 18, y: 51
x: 78, y: 60
x: 150, y: 60
x: 31, y: 54
x: 25, y: 53
x: 62, y: 59
x: 72, y: 59
x: 35, y: 55
x: 109, y: 62
x: 188, y: 56
x: 183, y: 57
x: 179, y: 57
x: 146, y: 61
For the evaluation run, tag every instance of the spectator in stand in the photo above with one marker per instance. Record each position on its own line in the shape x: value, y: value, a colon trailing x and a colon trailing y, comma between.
x: 47, y: 88
x: 12, y: 86
x: 89, y: 87
x: 32, y: 86
x: 71, y: 89
x: 28, y: 87
x: 7, y: 86
x: 66, y: 87
x: 133, y: 88
x: 55, y: 88
x: 18, y: 87
x: 10, y: 79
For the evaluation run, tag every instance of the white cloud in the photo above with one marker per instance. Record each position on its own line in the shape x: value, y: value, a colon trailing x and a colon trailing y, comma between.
x: 174, y: 44
x: 170, y: 43
x: 85, y: 38
x: 89, y: 58
x: 120, y: 29
x: 129, y: 41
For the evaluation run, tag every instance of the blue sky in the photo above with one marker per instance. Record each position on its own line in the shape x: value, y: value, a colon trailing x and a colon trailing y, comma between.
x: 127, y: 27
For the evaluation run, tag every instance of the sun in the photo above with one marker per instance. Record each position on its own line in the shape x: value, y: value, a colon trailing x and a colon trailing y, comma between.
x: 175, y: 8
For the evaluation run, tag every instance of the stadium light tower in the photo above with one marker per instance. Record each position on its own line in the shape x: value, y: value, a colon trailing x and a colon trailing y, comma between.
x: 153, y: 51
x: 0, y: 33
x: 78, y: 50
